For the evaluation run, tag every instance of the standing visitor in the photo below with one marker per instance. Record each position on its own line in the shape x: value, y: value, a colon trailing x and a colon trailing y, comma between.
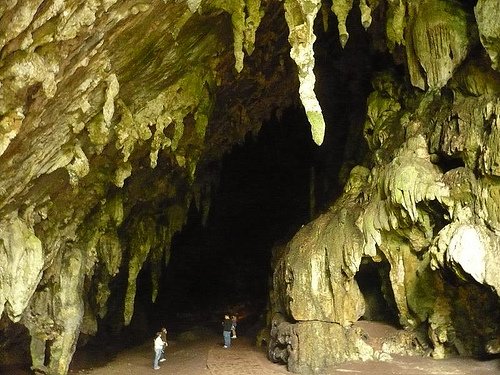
x: 158, y: 345
x: 233, y: 327
x: 226, y: 333
x: 165, y: 343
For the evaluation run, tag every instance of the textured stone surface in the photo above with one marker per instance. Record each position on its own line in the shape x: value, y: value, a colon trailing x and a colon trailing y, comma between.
x: 487, y: 13
x: 426, y: 203
x: 298, y: 344
x: 300, y: 16
x: 98, y: 99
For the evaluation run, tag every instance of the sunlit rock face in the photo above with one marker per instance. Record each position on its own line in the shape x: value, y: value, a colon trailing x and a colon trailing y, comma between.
x: 425, y: 202
x: 115, y: 113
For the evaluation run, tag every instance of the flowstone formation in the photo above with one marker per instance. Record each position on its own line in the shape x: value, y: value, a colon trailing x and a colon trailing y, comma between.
x: 113, y: 117
x: 422, y: 209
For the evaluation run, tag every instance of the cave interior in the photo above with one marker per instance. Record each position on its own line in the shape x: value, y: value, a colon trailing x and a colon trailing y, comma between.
x: 268, y: 187
x: 276, y: 181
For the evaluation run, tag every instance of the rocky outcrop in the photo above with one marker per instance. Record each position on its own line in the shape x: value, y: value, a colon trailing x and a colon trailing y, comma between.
x: 113, y: 115
x: 424, y: 203
x: 427, y: 222
x: 489, y: 31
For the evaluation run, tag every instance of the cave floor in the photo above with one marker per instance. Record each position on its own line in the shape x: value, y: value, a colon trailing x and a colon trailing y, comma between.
x: 200, y: 352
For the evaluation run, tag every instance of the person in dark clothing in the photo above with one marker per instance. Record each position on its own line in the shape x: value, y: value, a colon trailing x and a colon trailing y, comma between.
x: 165, y: 344
x: 227, y: 324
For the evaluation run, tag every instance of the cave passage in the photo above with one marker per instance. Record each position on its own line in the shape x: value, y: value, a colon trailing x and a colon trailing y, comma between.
x: 372, y: 279
x: 269, y: 187
x: 223, y: 266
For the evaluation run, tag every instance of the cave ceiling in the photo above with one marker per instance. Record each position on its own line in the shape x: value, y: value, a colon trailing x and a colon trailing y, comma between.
x: 115, y: 116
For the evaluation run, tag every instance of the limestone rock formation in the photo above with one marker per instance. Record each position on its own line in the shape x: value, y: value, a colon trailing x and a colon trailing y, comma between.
x: 104, y: 120
x: 423, y: 203
x: 114, y: 115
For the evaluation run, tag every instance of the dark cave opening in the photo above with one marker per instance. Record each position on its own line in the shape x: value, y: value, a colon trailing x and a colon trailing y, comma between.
x: 373, y: 281
x: 264, y: 196
x: 447, y: 163
x: 269, y: 186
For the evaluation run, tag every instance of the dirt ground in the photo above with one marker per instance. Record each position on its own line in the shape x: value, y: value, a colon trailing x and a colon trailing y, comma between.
x: 200, y: 352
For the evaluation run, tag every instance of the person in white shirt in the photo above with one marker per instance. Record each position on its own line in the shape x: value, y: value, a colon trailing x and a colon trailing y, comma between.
x: 233, y: 327
x: 158, y: 345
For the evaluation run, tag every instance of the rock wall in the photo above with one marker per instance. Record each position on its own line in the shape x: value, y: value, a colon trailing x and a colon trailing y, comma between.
x: 424, y: 201
x: 113, y: 117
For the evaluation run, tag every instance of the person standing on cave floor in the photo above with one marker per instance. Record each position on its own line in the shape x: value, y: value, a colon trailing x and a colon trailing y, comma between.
x: 233, y: 327
x: 226, y: 333
x: 165, y: 343
x: 158, y: 345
